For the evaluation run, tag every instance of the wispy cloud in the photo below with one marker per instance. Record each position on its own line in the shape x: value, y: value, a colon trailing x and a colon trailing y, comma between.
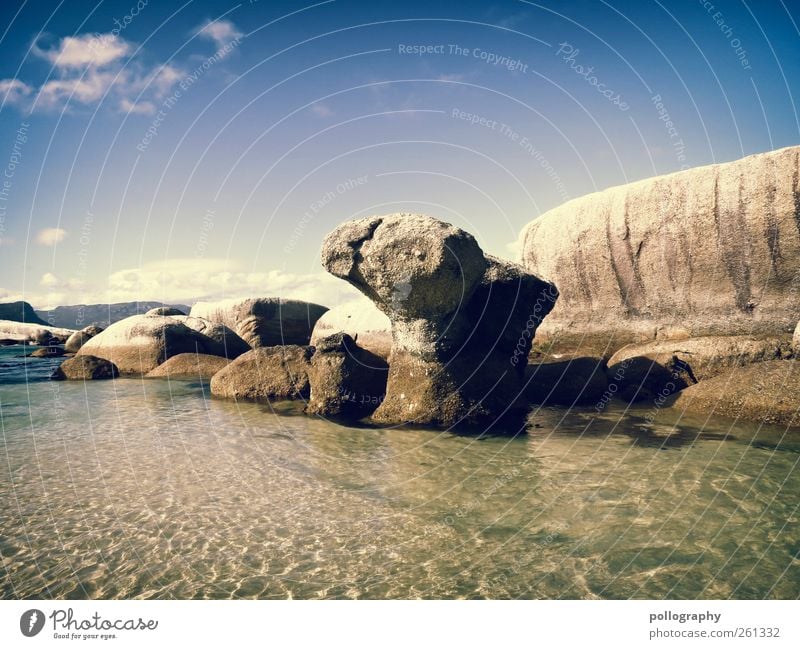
x: 14, y: 91
x: 50, y: 236
x: 94, y: 50
x: 221, y: 32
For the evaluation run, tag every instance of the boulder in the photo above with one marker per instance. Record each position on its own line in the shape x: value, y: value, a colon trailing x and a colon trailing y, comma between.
x: 76, y: 340
x: 648, y: 370
x: 767, y: 392
x: 138, y: 344
x: 34, y: 333
x: 712, y: 251
x: 462, y: 321
x: 85, y: 368
x: 346, y: 380
x: 47, y: 352
x: 571, y: 382
x: 264, y: 321
x: 190, y: 366
x: 165, y: 310
x: 362, y: 321
x: 266, y: 374
x: 228, y: 343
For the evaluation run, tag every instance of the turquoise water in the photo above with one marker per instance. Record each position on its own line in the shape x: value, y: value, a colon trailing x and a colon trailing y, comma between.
x: 150, y: 488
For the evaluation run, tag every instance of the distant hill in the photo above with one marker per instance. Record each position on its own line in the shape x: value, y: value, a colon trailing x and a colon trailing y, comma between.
x: 19, y: 312
x: 102, y: 315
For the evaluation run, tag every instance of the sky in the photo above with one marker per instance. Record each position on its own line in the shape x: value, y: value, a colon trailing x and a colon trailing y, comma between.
x: 176, y: 152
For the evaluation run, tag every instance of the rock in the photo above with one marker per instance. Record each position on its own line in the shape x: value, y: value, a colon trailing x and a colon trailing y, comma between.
x: 20, y: 312
x: 76, y: 340
x: 572, y: 382
x: 24, y: 332
x: 796, y: 341
x: 369, y: 327
x: 228, y: 343
x: 165, y: 310
x: 85, y: 368
x: 264, y: 321
x: 462, y: 322
x: 346, y: 381
x: 767, y: 392
x: 645, y: 371
x: 713, y: 251
x: 202, y: 366
x: 47, y: 352
x: 266, y: 374
x: 138, y: 344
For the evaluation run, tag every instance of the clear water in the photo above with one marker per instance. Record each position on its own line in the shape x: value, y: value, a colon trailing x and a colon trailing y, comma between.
x: 148, y: 488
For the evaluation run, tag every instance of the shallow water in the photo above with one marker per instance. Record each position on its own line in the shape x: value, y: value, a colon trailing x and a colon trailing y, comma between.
x: 149, y: 488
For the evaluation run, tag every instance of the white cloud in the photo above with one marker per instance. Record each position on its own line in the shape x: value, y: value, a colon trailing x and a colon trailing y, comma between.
x: 14, y: 90
x: 49, y: 280
x: 140, y: 107
x: 86, y: 89
x: 85, y: 50
x: 50, y: 236
x: 221, y: 32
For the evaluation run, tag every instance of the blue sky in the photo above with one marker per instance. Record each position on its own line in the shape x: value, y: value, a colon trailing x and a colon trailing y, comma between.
x: 176, y: 151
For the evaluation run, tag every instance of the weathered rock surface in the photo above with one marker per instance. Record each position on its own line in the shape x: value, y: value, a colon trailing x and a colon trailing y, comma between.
x: 85, y: 368
x: 266, y: 374
x: 767, y: 392
x: 572, y: 382
x: 462, y: 322
x: 264, y: 321
x: 76, y: 340
x: 140, y: 343
x: 41, y: 335
x: 165, y: 310
x: 189, y: 366
x: 713, y: 250
x: 228, y: 343
x: 369, y: 327
x: 346, y: 381
x: 647, y: 370
x: 796, y: 341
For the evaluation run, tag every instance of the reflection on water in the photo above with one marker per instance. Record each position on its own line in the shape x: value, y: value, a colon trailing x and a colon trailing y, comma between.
x: 136, y: 488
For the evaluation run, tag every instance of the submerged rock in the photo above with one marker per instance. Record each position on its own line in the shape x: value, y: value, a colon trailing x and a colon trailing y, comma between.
x: 713, y: 251
x: 85, y: 368
x: 462, y: 321
x: 767, y: 392
x: 346, y: 381
x: 362, y: 321
x: 202, y: 366
x: 266, y: 374
x: 76, y: 340
x: 265, y: 321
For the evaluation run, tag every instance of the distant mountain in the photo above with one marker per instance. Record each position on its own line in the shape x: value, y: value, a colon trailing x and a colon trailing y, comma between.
x: 101, y: 315
x: 19, y: 312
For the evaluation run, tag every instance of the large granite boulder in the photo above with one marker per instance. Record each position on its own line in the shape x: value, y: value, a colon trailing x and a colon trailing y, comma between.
x: 365, y: 323
x: 22, y: 332
x: 346, y: 380
x: 85, y: 368
x: 266, y: 374
x: 767, y: 392
x: 165, y: 310
x: 76, y: 340
x: 227, y: 342
x: 189, y: 366
x: 712, y: 251
x: 264, y: 321
x: 647, y: 371
x: 138, y: 344
x: 462, y: 321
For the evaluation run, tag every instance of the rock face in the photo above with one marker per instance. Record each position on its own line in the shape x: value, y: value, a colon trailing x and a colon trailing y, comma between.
x: 228, y: 343
x: 346, y: 381
x: 362, y: 321
x: 85, y: 368
x: 76, y: 340
x: 266, y: 374
x: 462, y: 322
x: 189, y: 366
x: 766, y: 392
x: 265, y: 321
x: 165, y: 310
x: 140, y: 343
x: 713, y: 250
x: 645, y: 371
x: 20, y: 312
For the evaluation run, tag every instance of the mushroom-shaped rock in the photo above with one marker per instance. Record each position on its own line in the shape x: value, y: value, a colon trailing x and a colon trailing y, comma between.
x: 346, y: 381
x: 228, y: 343
x: 264, y: 321
x: 76, y: 340
x: 462, y: 322
x: 165, y: 310
x: 85, y: 368
x: 266, y: 374
x: 189, y: 366
x: 362, y: 321
x: 138, y: 344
